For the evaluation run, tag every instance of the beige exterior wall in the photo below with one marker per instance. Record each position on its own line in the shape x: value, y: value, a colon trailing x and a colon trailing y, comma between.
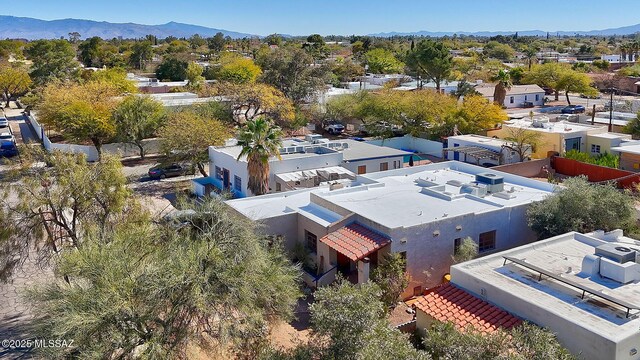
x: 630, y: 162
x: 548, y: 141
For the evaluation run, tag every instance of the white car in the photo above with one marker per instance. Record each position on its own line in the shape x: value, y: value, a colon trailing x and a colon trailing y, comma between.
x: 6, y: 136
x: 3, y: 122
x: 334, y: 128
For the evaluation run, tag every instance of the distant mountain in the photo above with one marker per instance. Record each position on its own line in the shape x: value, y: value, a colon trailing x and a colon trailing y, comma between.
x: 626, y: 30
x: 31, y: 29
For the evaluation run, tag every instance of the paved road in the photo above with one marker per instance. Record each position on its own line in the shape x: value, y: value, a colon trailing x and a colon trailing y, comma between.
x: 21, y: 130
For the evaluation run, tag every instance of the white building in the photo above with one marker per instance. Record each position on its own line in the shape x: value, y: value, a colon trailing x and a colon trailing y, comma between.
x: 422, y: 212
x: 517, y: 96
x: 483, y: 150
x: 583, y: 287
x: 304, y: 163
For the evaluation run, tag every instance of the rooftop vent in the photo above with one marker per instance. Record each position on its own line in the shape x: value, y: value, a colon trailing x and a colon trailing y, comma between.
x: 479, y: 190
x: 616, y: 252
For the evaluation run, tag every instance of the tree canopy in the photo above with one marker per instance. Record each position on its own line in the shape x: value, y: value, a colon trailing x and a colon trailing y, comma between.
x: 382, y: 61
x: 583, y: 207
x: 138, y: 118
x: 52, y: 60
x: 14, y: 81
x: 431, y: 60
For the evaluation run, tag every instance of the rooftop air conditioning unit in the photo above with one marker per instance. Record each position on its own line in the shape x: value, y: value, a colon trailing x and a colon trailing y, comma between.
x: 616, y: 252
x: 493, y: 182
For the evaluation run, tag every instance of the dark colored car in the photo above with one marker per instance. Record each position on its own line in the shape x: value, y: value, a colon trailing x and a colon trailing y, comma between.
x: 171, y: 170
x: 8, y: 149
x: 527, y: 104
x: 573, y: 109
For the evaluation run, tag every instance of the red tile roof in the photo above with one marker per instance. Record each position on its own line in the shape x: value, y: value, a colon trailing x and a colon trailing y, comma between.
x: 355, y: 241
x: 448, y: 303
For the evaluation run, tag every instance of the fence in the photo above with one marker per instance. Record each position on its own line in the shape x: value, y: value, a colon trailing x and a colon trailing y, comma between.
x: 533, y: 168
x: 595, y: 173
x: 151, y: 146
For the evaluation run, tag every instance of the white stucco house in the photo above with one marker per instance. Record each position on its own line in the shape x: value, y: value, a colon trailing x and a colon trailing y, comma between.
x: 517, y: 95
x: 303, y: 163
x: 421, y: 212
x: 583, y: 287
x: 482, y: 150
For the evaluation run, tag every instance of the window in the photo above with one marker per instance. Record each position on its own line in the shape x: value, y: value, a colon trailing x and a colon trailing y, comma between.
x: 487, y: 241
x: 456, y: 245
x: 278, y: 186
x: 537, y: 97
x: 384, y: 166
x: 218, y: 173
x: 525, y: 98
x: 511, y: 100
x: 237, y: 183
x: 362, y: 169
x: 312, y: 241
x: 595, y: 149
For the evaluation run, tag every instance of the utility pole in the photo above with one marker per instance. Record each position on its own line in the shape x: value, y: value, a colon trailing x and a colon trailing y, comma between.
x: 611, y: 111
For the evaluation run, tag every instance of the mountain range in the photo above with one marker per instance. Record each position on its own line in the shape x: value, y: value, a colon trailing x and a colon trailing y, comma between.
x: 29, y: 28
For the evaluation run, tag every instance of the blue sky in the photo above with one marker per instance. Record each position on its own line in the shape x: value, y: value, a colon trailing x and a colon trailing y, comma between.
x: 301, y: 17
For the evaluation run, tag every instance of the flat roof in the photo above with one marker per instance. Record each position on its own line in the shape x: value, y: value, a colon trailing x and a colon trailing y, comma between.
x: 488, y: 89
x: 481, y: 140
x: 405, y: 197
x: 560, y: 127
x: 611, y: 135
x: 629, y: 149
x: 360, y: 150
x: 562, y: 255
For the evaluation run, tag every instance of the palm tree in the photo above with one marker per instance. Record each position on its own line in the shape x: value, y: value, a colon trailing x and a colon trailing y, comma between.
x: 503, y: 83
x: 624, y: 50
x: 260, y: 140
x: 530, y: 53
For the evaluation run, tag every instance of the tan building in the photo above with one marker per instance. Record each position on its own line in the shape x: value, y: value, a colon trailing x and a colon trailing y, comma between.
x: 553, y: 136
x: 629, y: 155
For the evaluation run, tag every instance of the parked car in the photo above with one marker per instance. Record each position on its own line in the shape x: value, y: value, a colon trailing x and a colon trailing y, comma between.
x: 334, y: 128
x: 3, y: 122
x: 171, y: 170
x: 584, y: 96
x: 8, y: 149
x: 527, y: 104
x: 7, y: 136
x: 573, y: 109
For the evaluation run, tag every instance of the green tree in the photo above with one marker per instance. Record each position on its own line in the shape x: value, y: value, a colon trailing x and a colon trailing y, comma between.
x: 444, y: 341
x: 81, y: 112
x: 273, y: 39
x: 290, y: 70
x: 467, y: 250
x: 583, y: 207
x: 503, y: 83
x: 141, y: 52
x: 633, y: 127
x: 431, y: 60
x: 531, y: 55
x: 392, y: 278
x: 172, y: 69
x: 115, y: 77
x: 194, y: 285
x: 52, y: 60
x: 316, y: 47
x: 187, y: 135
x: 382, y: 61
x: 197, y: 41
x: 138, y: 118
x: 573, y: 81
x: 90, y: 54
x: 217, y: 42
x: 496, y: 50
x: 194, y: 75
x: 260, y: 140
x: 547, y: 75
x: 59, y: 205
x: 14, y: 81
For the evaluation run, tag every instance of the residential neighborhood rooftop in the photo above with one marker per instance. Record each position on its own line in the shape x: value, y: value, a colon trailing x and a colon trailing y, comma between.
x: 563, y: 256
x: 562, y: 127
x: 404, y: 197
x: 488, y: 89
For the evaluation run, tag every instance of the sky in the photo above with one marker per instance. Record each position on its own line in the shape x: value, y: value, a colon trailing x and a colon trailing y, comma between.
x: 346, y: 17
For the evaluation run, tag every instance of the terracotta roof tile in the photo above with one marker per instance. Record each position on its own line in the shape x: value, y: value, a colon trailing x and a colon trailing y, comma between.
x: 355, y: 241
x: 450, y: 303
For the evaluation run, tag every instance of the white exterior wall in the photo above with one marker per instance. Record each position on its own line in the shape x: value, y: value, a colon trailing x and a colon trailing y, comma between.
x: 239, y: 168
x: 575, y: 338
x: 519, y: 99
x: 373, y: 165
x: 410, y: 143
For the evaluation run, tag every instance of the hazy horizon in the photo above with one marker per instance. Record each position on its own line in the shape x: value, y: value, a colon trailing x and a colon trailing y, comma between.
x: 334, y: 17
